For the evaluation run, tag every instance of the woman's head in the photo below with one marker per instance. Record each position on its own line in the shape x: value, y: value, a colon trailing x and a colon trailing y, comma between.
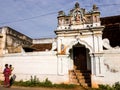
x: 6, y: 65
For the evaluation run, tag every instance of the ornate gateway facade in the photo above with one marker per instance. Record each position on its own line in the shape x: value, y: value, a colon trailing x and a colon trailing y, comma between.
x: 79, y: 39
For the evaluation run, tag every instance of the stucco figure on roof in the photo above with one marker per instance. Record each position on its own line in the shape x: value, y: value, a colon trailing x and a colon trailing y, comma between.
x: 78, y: 16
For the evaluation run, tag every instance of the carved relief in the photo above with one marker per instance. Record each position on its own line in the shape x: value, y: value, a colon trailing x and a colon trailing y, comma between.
x: 110, y: 68
x: 54, y: 46
x: 59, y: 21
x: 78, y: 16
x: 106, y: 44
x: 63, y: 49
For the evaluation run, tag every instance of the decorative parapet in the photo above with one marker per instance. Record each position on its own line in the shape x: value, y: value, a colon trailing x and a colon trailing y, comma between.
x: 78, y: 17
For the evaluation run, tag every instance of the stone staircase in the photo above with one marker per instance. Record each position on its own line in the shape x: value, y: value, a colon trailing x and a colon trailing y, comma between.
x: 80, y: 77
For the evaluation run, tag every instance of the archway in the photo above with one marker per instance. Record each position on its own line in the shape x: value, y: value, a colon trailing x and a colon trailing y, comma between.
x: 82, y: 64
x: 81, y: 58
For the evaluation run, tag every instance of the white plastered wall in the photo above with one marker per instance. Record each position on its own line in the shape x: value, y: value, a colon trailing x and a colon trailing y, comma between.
x: 110, y: 68
x: 40, y: 64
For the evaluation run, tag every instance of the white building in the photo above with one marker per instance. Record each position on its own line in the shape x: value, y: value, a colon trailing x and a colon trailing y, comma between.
x: 76, y: 55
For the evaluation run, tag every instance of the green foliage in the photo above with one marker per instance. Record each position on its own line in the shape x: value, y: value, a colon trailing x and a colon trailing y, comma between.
x: 105, y: 87
x: 34, y: 82
x: 116, y: 86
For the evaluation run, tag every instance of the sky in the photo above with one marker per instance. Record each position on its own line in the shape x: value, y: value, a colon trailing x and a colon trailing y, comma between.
x: 38, y: 18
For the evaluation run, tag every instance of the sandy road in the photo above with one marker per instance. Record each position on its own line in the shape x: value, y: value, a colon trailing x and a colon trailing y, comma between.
x: 39, y: 88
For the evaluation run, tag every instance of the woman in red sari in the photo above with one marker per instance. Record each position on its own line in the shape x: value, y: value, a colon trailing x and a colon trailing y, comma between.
x: 7, y: 73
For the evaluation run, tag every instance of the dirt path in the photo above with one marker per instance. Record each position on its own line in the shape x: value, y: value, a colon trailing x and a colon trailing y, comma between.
x: 41, y: 88
x: 38, y: 88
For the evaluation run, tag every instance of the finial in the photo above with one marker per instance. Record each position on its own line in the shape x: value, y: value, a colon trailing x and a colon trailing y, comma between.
x: 77, y: 5
x: 95, y: 7
x: 61, y: 13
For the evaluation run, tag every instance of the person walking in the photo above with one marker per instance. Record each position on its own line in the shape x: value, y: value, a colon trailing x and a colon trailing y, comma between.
x: 7, y: 73
x: 12, y: 78
x: 11, y: 68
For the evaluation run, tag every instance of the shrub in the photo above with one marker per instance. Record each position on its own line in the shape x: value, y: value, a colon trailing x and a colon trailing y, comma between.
x: 34, y: 82
x: 105, y: 87
x: 116, y: 86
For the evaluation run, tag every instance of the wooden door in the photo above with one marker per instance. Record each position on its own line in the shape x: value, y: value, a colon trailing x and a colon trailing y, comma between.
x: 79, y: 56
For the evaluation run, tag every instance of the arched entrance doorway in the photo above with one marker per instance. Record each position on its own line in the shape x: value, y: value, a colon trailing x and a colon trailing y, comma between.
x: 79, y: 57
x: 82, y: 64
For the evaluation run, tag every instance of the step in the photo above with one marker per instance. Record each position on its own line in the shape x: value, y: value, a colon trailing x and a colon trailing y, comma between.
x: 79, y: 74
x: 84, y: 81
x: 77, y: 71
x: 72, y: 73
x: 73, y: 77
x: 82, y: 71
x: 80, y: 77
x: 83, y: 77
x: 83, y: 74
x: 74, y: 81
x: 86, y: 84
x: 75, y: 67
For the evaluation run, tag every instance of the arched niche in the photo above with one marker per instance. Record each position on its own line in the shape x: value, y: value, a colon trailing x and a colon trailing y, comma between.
x: 82, y: 42
x: 79, y: 55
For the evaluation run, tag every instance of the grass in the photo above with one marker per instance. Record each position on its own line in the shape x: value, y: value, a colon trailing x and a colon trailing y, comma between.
x: 35, y: 82
x: 45, y: 83
x: 115, y: 86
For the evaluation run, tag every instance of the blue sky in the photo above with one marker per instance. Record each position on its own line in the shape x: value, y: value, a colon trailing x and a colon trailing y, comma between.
x: 38, y: 18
